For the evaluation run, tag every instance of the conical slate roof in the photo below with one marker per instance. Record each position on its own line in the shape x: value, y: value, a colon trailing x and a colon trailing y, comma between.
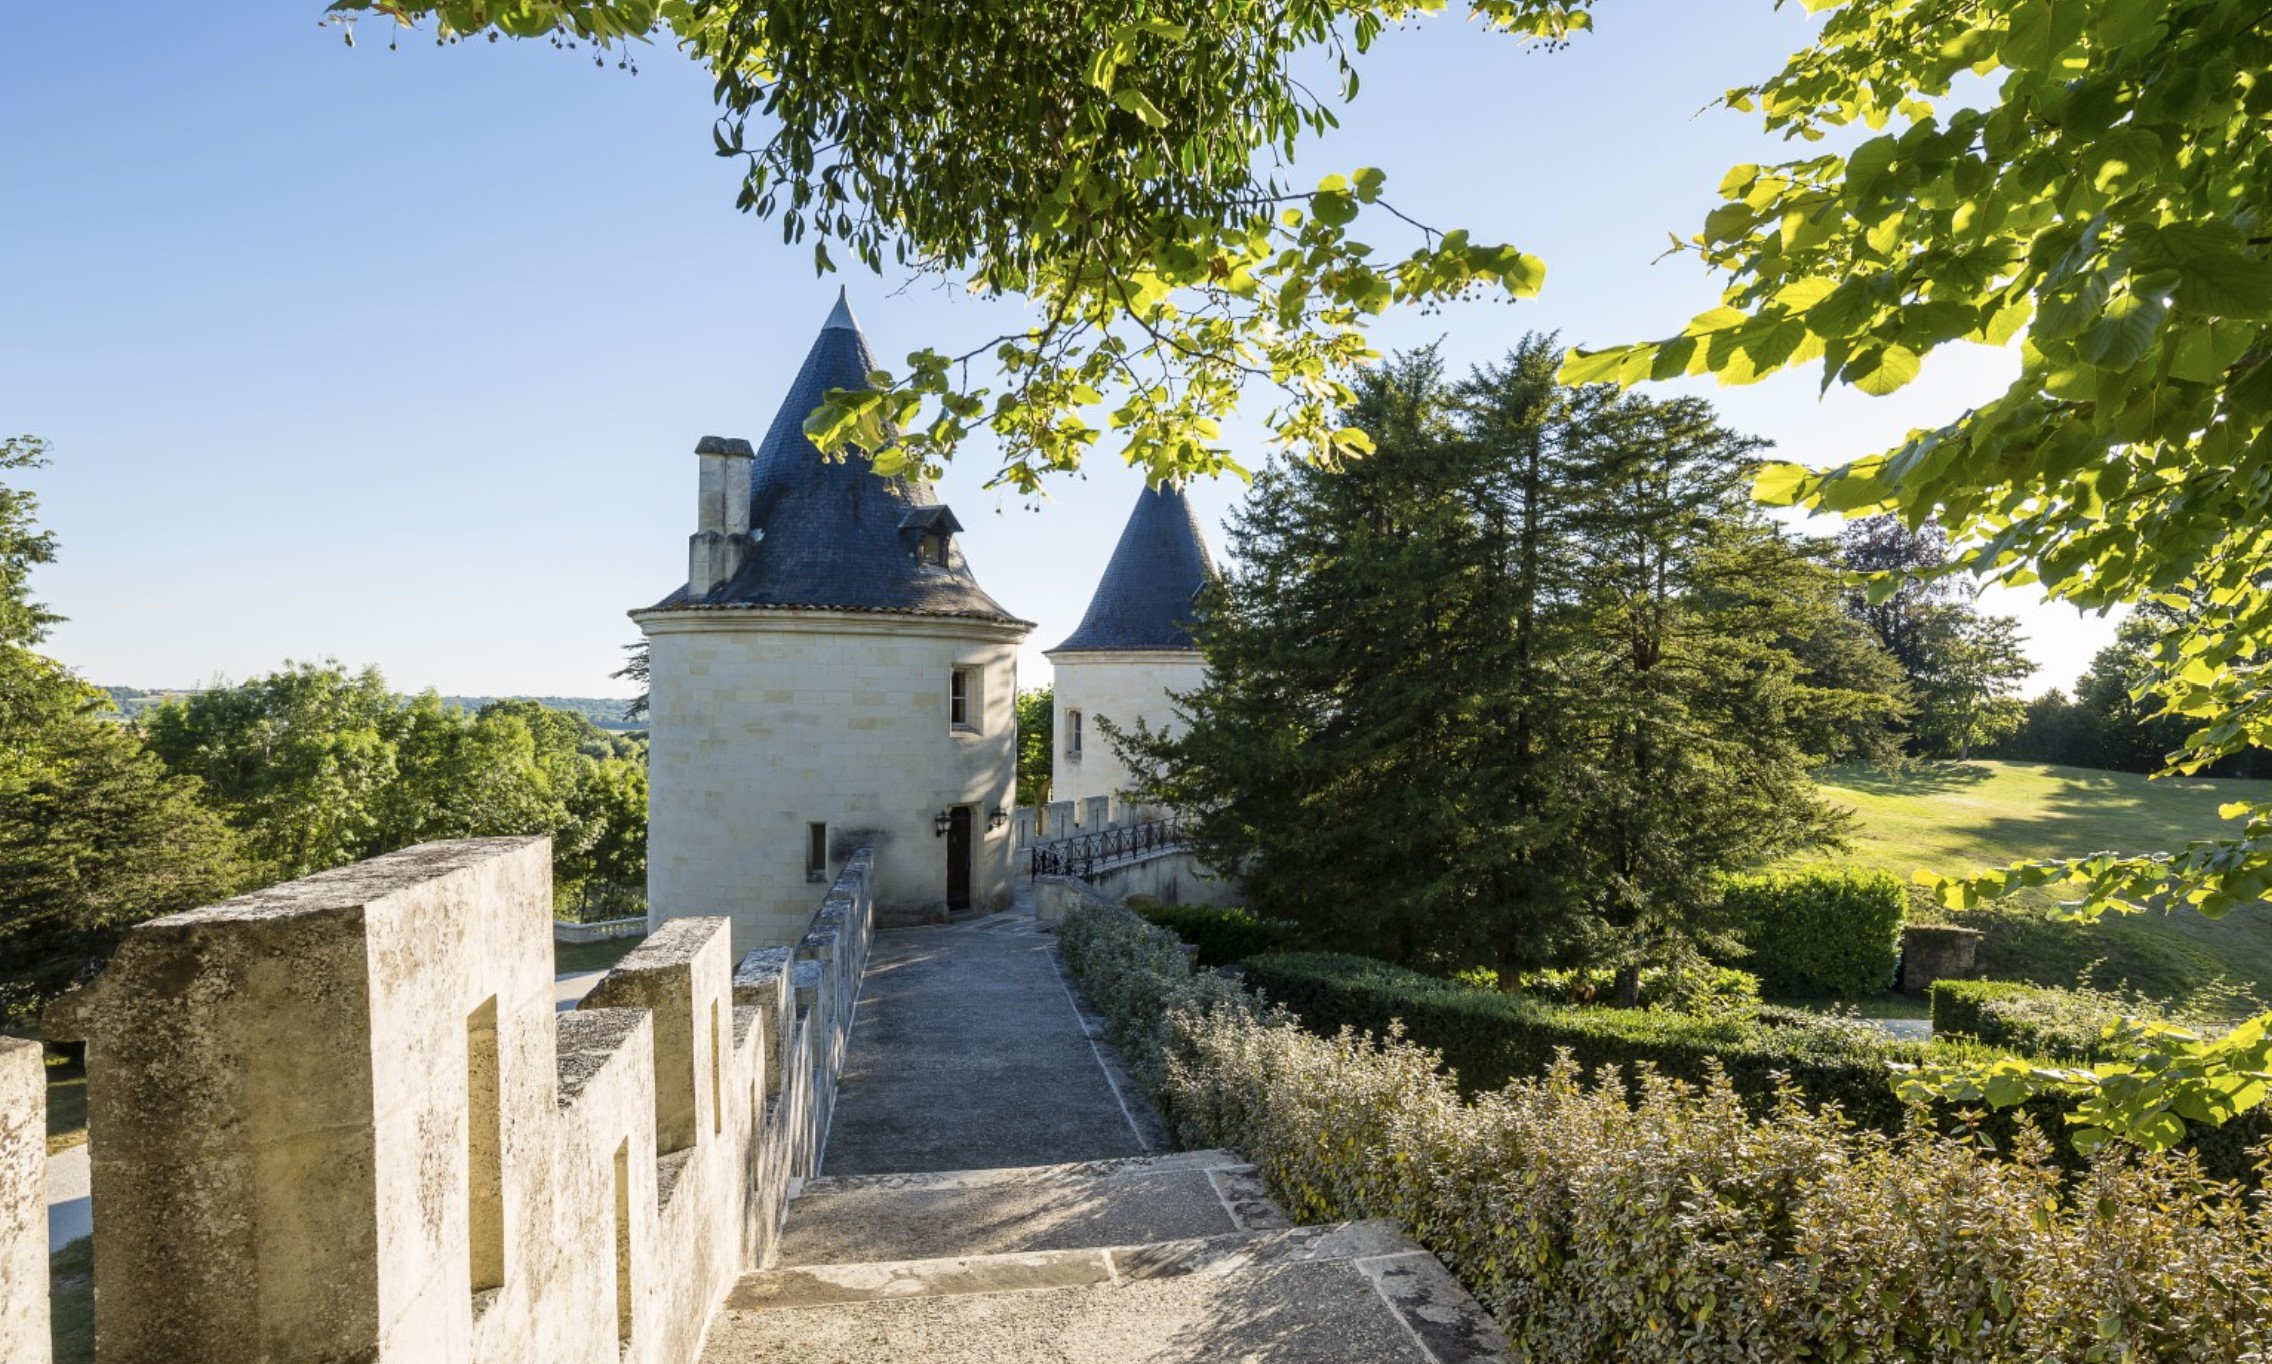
x: 830, y: 534
x: 1149, y: 591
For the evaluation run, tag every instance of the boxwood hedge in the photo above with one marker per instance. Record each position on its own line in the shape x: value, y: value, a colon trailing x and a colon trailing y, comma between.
x: 1819, y: 930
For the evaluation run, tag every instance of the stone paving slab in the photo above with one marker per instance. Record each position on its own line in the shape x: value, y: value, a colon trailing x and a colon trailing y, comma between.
x: 984, y: 1212
x: 1356, y: 1293
x: 969, y: 1053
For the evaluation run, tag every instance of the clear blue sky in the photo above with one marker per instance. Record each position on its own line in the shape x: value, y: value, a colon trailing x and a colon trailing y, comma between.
x: 399, y: 357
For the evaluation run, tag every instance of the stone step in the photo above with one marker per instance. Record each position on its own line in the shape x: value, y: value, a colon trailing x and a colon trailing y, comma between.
x: 1349, y: 1293
x: 1129, y: 1201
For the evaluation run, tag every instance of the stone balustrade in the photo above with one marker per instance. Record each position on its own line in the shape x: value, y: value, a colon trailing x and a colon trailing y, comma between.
x: 339, y: 1119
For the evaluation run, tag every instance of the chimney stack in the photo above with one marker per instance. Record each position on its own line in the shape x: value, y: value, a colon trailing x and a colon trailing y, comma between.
x: 714, y: 553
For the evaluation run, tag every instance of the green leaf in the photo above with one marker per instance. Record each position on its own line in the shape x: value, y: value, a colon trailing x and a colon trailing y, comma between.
x: 1334, y: 208
x: 1596, y: 367
x: 1777, y: 485
x: 2027, y: 36
x: 1883, y: 369
x: 1865, y: 164
x: 1140, y: 104
x: 2122, y: 338
x: 2226, y: 284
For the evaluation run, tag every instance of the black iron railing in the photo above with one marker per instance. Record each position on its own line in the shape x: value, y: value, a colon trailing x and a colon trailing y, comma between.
x: 1082, y: 856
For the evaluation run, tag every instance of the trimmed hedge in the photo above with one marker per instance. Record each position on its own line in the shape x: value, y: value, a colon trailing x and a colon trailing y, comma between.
x: 2037, y: 1020
x: 1663, y: 1223
x: 1713, y: 991
x: 1489, y: 1038
x: 1820, y: 930
x: 1223, y: 934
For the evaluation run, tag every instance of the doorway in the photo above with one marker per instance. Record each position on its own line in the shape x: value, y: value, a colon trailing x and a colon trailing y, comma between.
x: 958, y: 859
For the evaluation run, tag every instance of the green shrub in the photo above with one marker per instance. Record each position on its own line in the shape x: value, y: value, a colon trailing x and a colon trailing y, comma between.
x: 1656, y: 1221
x: 2037, y: 1020
x: 1491, y: 1037
x: 1222, y: 934
x: 1140, y: 975
x: 1819, y: 930
x: 1709, y: 991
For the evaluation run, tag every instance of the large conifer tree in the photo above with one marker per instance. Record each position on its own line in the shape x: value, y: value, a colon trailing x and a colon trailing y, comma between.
x: 1520, y: 684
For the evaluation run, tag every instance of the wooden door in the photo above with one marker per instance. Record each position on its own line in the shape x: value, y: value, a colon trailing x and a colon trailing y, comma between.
x: 958, y: 859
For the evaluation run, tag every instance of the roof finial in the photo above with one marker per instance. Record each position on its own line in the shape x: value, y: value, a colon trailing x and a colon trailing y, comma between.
x: 841, y: 316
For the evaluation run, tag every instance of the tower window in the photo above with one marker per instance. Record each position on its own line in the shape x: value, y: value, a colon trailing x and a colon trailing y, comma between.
x: 933, y: 550
x: 1073, y: 734
x: 960, y: 685
x: 816, y: 852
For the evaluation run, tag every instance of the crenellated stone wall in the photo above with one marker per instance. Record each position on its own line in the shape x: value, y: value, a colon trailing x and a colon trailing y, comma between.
x: 339, y: 1119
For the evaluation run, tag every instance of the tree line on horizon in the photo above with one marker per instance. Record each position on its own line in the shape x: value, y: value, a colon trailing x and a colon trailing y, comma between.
x: 106, y: 820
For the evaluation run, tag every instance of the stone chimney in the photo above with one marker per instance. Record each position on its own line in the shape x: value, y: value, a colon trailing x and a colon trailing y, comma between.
x: 720, y: 543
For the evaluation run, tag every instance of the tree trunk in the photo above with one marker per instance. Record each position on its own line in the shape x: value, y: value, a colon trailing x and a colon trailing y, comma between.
x: 1625, y: 992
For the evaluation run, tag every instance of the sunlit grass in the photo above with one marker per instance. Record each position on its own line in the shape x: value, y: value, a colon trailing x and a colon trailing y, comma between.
x: 1957, y: 817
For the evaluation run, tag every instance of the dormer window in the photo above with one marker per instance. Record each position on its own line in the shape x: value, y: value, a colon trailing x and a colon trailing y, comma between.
x: 929, y: 532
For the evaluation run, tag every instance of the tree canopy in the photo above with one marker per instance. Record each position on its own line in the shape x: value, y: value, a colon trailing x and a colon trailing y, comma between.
x: 2089, y: 181
x: 1123, y: 165
x: 1519, y: 687
x: 94, y: 832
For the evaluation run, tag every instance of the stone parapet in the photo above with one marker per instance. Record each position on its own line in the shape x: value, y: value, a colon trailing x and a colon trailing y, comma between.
x: 23, y: 1203
x: 340, y: 1119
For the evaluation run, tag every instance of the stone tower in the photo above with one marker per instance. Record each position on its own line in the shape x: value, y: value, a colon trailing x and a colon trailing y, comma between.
x: 830, y: 677
x: 1134, y: 645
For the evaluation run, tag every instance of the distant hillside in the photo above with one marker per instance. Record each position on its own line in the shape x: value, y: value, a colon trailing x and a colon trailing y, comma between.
x: 604, y: 711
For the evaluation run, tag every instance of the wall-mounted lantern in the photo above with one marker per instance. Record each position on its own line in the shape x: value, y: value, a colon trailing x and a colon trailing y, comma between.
x: 942, y: 822
x: 998, y: 818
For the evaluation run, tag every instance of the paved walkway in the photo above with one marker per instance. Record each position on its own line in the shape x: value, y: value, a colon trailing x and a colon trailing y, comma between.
x: 969, y: 1053
x: 993, y: 1193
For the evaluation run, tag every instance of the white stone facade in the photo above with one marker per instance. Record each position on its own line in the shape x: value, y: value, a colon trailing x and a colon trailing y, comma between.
x: 1122, y: 686
x: 766, y: 722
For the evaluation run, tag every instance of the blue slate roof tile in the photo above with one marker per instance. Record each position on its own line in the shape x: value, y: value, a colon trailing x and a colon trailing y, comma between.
x: 830, y: 534
x: 1150, y: 589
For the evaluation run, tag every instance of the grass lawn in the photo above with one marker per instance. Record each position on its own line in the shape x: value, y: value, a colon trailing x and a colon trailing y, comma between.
x: 1955, y: 817
x: 71, y: 1301
x: 569, y: 957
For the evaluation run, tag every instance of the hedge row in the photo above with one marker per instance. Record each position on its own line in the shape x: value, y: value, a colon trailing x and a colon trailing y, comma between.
x: 1660, y: 1221
x: 1223, y: 935
x: 2036, y: 1020
x: 1819, y: 930
x: 1489, y: 1038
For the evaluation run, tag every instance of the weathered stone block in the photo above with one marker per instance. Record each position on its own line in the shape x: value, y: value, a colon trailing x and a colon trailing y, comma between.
x: 340, y: 1120
x: 1931, y: 952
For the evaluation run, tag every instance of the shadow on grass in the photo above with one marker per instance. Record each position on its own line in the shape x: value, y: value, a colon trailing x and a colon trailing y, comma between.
x: 71, y: 1301
x: 1916, y: 779
x: 571, y: 957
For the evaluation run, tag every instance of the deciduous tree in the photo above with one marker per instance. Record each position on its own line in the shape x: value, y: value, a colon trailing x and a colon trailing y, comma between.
x: 2089, y: 181
x: 1122, y: 165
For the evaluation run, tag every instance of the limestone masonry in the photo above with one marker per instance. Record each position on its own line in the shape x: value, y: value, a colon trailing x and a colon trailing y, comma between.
x: 831, y: 676
x: 340, y: 1120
